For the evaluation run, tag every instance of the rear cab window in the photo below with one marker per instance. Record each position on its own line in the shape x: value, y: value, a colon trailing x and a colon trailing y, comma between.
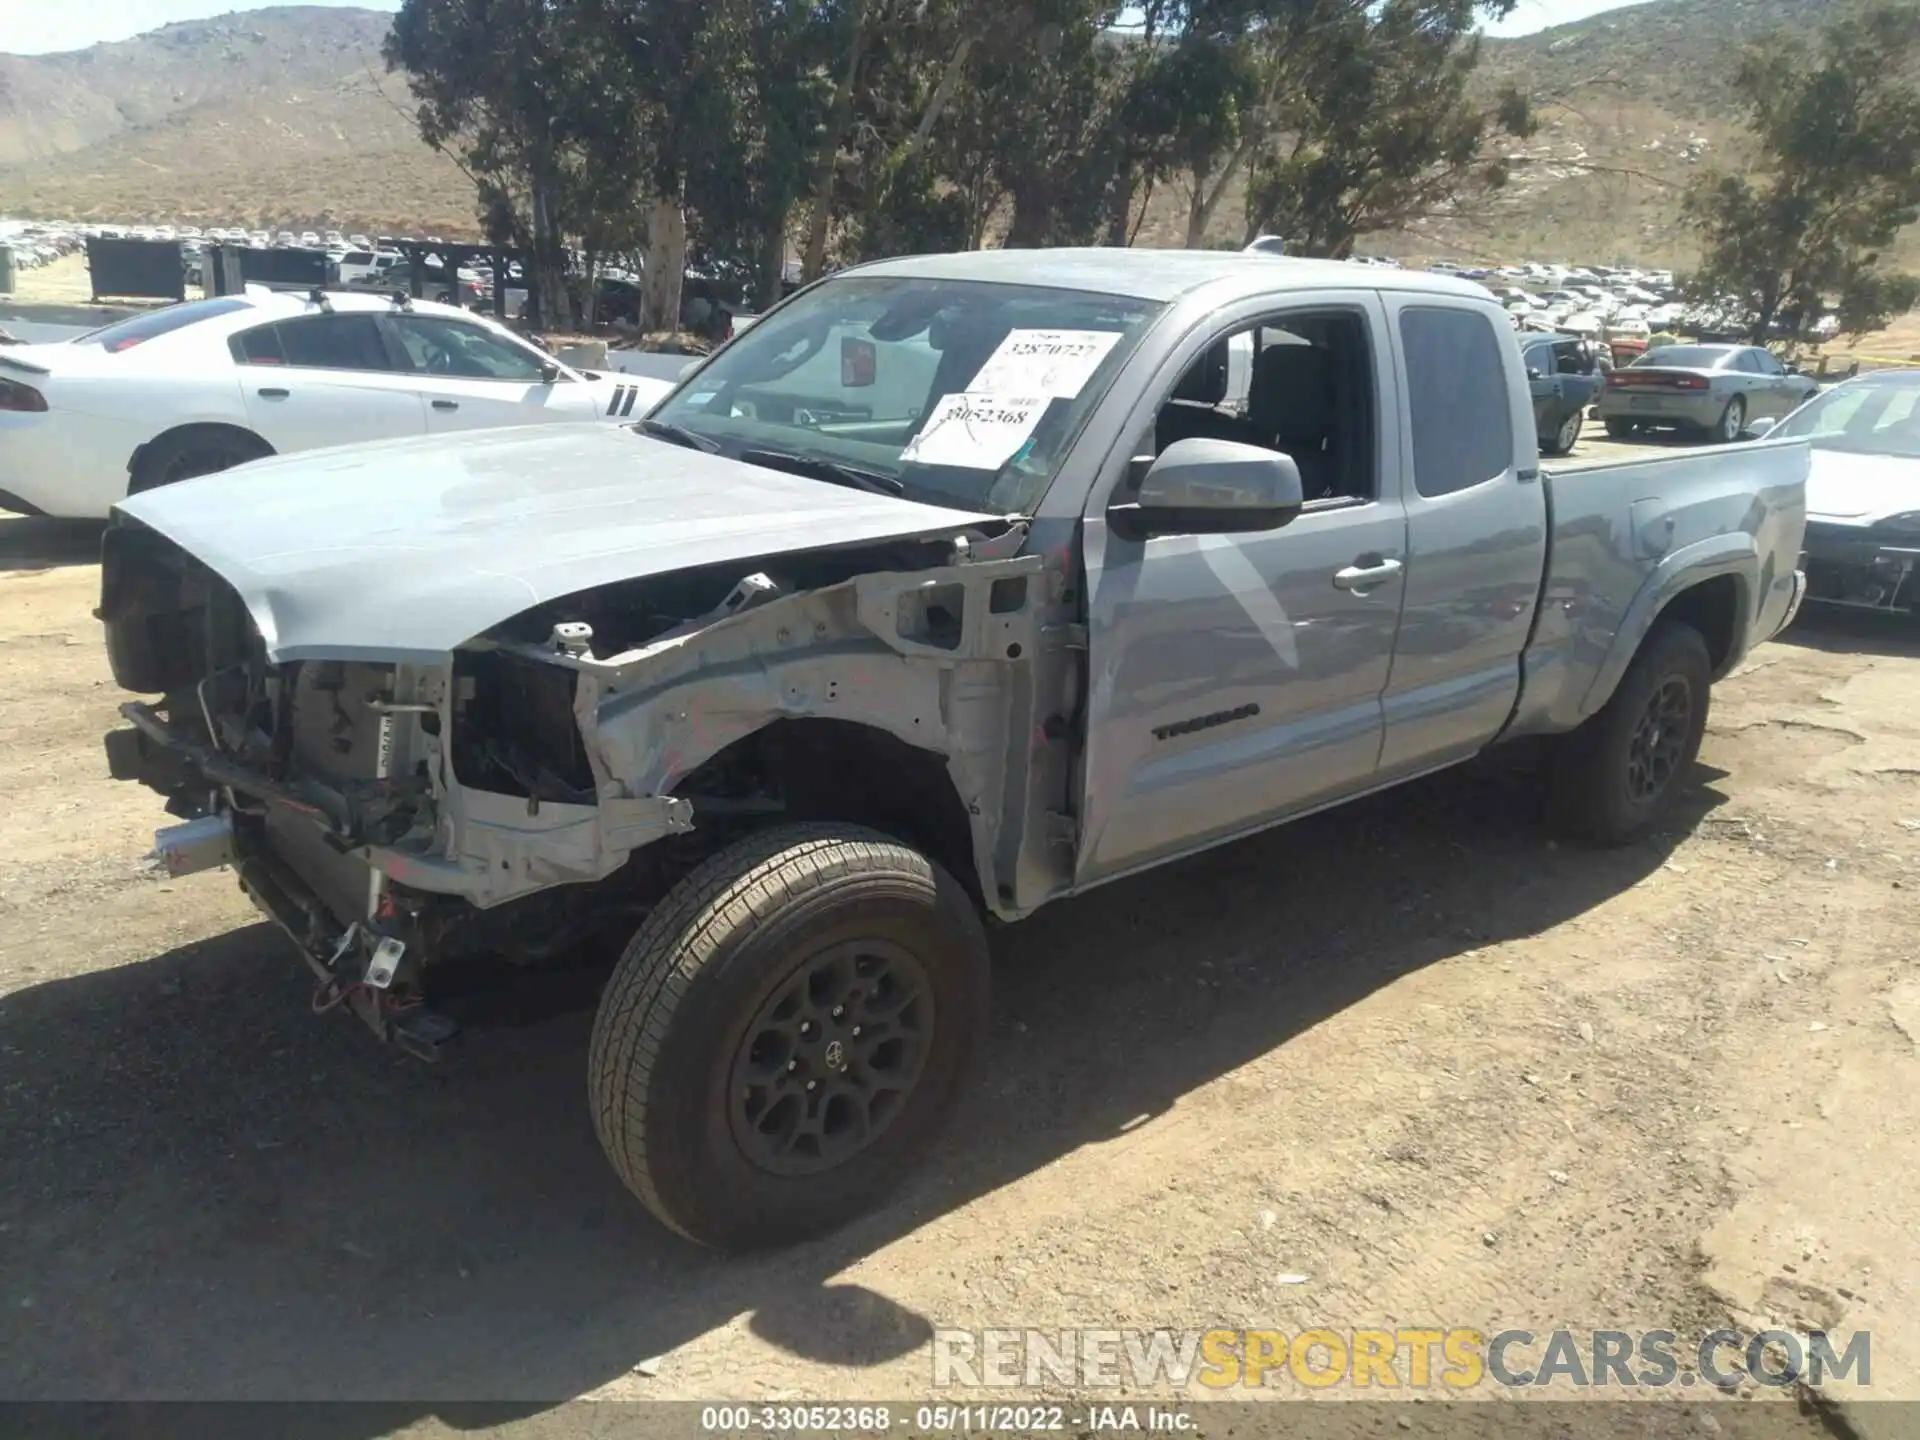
x: 125, y: 334
x: 1456, y: 399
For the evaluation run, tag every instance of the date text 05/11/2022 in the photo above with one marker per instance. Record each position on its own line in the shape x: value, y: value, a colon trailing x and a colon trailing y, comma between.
x: 943, y: 1419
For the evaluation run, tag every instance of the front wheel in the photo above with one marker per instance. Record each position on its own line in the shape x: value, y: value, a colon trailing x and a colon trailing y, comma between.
x: 787, y: 1033
x: 1622, y: 769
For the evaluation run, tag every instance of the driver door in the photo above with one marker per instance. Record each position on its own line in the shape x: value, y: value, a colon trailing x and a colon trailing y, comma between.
x: 1237, y: 679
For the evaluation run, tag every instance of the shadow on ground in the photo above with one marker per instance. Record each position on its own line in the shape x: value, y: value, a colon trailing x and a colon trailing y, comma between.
x: 35, y: 542
x: 1840, y: 631
x: 209, y: 1193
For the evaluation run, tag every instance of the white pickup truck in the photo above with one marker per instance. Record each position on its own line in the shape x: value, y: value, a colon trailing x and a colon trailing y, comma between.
x: 954, y: 586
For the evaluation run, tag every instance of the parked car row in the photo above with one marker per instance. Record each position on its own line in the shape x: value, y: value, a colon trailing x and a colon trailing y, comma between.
x: 35, y: 245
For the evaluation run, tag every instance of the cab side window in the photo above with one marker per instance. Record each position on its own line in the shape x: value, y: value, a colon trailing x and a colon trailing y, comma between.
x: 1301, y: 384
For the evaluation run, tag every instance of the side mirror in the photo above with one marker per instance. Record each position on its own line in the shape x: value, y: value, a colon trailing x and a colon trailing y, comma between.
x: 1535, y: 373
x: 1210, y: 487
x: 549, y: 372
x: 1758, y: 429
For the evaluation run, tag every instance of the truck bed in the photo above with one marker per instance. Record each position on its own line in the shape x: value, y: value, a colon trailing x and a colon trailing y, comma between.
x: 1619, y: 528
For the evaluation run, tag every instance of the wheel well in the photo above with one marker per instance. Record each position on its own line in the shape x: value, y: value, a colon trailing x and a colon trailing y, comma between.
x: 211, y: 429
x: 1713, y: 608
x: 840, y: 770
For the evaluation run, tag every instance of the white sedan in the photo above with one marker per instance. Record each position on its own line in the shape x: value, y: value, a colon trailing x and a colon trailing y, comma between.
x: 210, y: 384
x: 1863, y: 492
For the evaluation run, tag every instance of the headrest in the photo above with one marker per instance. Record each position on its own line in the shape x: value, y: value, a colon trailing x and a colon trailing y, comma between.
x: 1291, y: 396
x: 1205, y: 382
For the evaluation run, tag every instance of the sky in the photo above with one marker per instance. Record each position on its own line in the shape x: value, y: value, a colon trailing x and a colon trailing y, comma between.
x: 34, y: 27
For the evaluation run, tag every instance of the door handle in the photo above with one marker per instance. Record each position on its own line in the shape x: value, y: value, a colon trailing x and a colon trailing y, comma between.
x: 1362, y: 578
x: 273, y: 393
x: 446, y: 404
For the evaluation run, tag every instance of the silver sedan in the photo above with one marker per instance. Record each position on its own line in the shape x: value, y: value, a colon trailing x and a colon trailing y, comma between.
x: 1716, y: 389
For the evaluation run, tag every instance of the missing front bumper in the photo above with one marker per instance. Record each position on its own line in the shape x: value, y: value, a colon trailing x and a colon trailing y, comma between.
x: 1862, y: 573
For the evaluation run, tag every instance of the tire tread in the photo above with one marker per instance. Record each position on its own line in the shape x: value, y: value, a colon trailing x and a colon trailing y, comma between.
x: 736, y: 888
x: 1582, y: 801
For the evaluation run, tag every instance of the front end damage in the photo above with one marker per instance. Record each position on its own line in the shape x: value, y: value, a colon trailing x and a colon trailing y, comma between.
x: 1864, y: 567
x: 532, y: 793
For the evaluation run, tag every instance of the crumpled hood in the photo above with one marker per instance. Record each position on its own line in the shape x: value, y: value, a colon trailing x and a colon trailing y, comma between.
x: 401, y: 550
x: 1853, y: 489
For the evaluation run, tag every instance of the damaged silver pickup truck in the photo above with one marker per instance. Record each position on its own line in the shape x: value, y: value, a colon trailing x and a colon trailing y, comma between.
x: 956, y: 585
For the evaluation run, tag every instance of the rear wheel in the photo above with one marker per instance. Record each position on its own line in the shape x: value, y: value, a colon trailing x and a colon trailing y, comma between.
x: 1566, y: 437
x: 1620, y: 429
x: 1623, y: 768
x: 187, y: 453
x: 787, y: 1033
x: 1733, y: 421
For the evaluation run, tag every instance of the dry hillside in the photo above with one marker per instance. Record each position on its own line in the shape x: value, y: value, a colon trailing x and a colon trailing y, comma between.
x: 272, y: 117
x: 287, y: 117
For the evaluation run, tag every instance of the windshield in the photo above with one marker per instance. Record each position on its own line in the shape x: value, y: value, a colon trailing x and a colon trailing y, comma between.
x: 961, y: 393
x: 125, y: 334
x: 1865, y: 417
x: 1686, y: 357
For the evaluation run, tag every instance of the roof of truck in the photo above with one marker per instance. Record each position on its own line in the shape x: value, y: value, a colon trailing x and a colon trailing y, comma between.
x: 1166, y: 274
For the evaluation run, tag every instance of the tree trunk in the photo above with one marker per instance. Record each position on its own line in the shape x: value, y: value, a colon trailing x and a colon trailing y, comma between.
x: 1032, y: 210
x: 1207, y: 197
x: 1763, y: 318
x: 1120, y: 217
x: 773, y: 263
x: 813, y: 262
x: 666, y: 264
x: 1197, y: 212
x: 942, y: 93
x: 549, y: 260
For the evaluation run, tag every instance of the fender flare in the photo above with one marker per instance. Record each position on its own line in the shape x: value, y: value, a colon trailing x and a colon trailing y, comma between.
x: 1736, y: 554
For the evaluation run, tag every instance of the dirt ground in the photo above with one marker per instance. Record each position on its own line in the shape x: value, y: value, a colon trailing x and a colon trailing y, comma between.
x: 1408, y: 1063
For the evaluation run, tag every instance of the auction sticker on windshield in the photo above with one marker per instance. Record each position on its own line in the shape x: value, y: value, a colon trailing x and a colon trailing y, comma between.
x: 975, y: 431
x: 1053, y: 363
